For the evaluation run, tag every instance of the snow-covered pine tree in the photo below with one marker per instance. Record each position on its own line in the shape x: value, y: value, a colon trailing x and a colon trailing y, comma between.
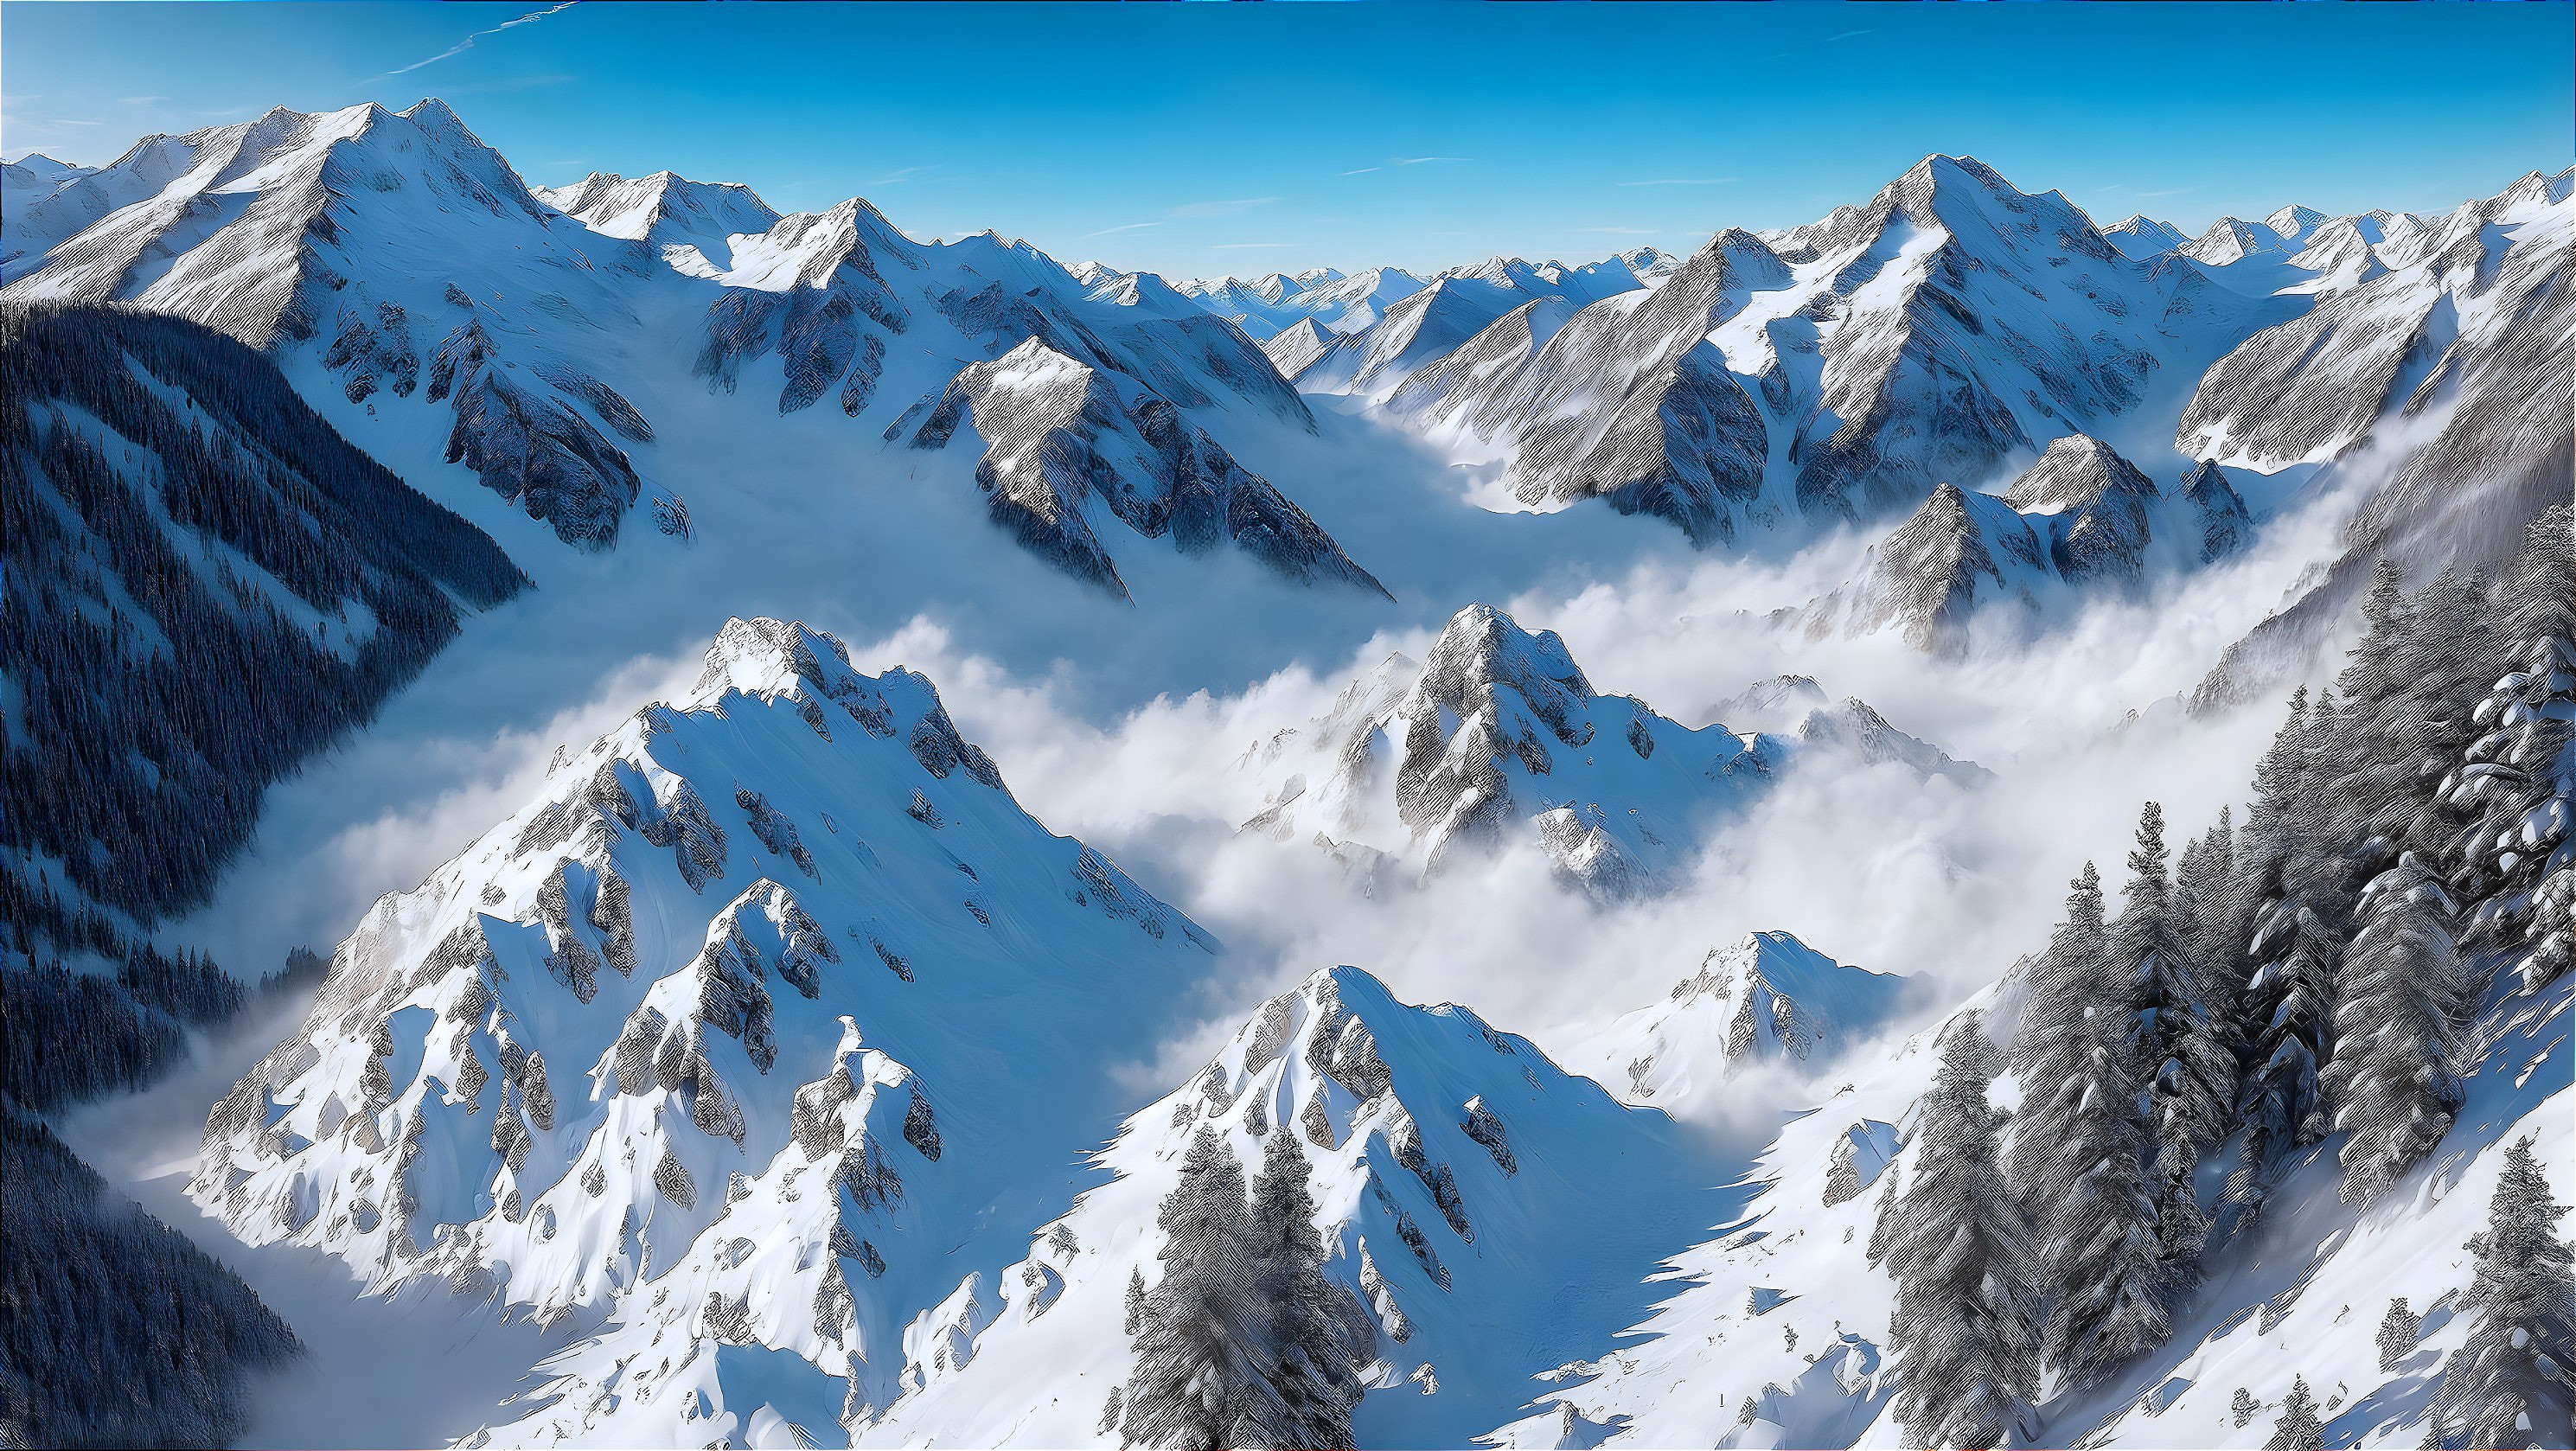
x: 1135, y: 1299
x: 2103, y: 1266
x: 2209, y: 917
x: 2507, y: 1384
x: 2398, y: 1331
x: 1965, y: 1329
x: 2287, y: 1007
x: 1199, y: 1380
x: 2516, y: 783
x: 2394, y: 1084
x: 2190, y: 1070
x: 2051, y: 1046
x: 1310, y: 1359
x: 2299, y: 1428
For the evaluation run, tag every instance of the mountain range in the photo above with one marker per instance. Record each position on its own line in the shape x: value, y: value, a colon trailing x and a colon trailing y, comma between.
x: 802, y: 1086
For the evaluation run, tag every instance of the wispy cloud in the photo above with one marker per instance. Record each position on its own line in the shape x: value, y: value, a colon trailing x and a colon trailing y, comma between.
x: 1253, y: 246
x: 1234, y: 207
x: 1623, y: 231
x: 140, y: 100
x: 1850, y: 34
x: 1359, y: 171
x: 1425, y: 160
x: 903, y: 174
x: 1114, y: 231
x: 2115, y: 186
x: 1683, y: 181
x: 462, y: 46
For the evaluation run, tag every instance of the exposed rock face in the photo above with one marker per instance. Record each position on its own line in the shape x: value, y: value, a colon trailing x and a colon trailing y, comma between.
x: 1065, y: 443
x: 1769, y: 998
x: 529, y: 447
x: 698, y: 917
x: 1498, y: 734
x: 2082, y: 517
x: 1627, y: 401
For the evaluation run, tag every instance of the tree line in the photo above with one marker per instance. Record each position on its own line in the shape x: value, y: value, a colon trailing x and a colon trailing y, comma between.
x: 163, y: 496
x: 2315, y: 973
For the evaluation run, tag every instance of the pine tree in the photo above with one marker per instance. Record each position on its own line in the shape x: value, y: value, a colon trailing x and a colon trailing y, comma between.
x: 2190, y: 1070
x: 1135, y: 1299
x: 2079, y: 1148
x: 1310, y: 1362
x: 1965, y: 1330
x: 2209, y: 915
x: 2398, y: 1330
x: 2508, y: 1381
x: 1199, y: 1380
x: 2287, y: 1006
x: 2299, y: 1428
x: 2053, y: 1043
x: 2393, y: 1085
x: 2515, y: 854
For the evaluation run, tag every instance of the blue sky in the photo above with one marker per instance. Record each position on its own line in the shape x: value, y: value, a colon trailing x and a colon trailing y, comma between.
x: 1204, y: 139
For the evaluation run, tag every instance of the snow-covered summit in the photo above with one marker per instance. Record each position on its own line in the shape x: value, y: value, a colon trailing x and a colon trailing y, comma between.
x: 1498, y: 734
x: 1068, y: 448
x: 1767, y: 999
x: 2140, y: 237
x: 664, y: 209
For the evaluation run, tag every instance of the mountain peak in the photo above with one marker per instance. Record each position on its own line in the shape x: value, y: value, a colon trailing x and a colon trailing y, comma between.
x: 2075, y: 471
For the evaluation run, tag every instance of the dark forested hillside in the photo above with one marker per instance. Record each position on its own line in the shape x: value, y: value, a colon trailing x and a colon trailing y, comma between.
x: 114, y: 1329
x: 206, y: 584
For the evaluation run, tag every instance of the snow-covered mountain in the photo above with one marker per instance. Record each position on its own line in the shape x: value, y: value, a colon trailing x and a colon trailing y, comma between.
x: 1497, y: 735
x: 1480, y: 1205
x: 1269, y: 305
x: 2455, y: 362
x: 758, y: 1037
x: 2082, y: 515
x: 1065, y: 443
x: 400, y: 262
x: 664, y: 209
x: 1833, y: 372
x: 1768, y: 999
x: 2140, y: 237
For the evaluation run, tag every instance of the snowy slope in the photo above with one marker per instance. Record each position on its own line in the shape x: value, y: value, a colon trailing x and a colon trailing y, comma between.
x: 1768, y: 999
x: 1498, y: 735
x: 1775, y: 1331
x: 758, y: 1035
x: 1488, y: 1212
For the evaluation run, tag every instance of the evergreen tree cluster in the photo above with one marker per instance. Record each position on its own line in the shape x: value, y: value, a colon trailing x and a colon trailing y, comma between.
x: 169, y: 512
x: 1244, y: 1341
x: 114, y: 1329
x: 2312, y: 974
